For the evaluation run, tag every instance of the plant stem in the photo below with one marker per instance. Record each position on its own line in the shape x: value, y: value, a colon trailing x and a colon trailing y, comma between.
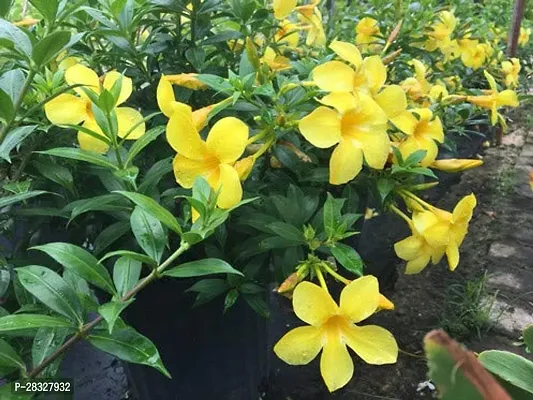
x: 155, y: 274
x: 321, y: 279
x: 334, y: 274
x: 18, y: 104
x: 400, y: 213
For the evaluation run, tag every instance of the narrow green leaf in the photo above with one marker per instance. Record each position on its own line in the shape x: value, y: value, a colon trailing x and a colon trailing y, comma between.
x: 6, y: 107
x: 348, y: 258
x: 231, y: 298
x: 81, y: 155
x: 7, y: 200
x: 130, y: 254
x: 48, y: 8
x: 13, y: 139
x: 129, y: 345
x: 111, y: 310
x: 287, y: 231
x: 142, y: 142
x: 110, y: 235
x: 510, y: 367
x: 50, y: 46
x: 56, y: 173
x: 49, y: 288
x: 9, y: 357
x: 207, y: 266
x: 149, y: 233
x: 81, y: 262
x: 97, y: 203
x: 126, y: 274
x: 12, y: 82
x: 46, y: 341
x: 16, y: 322
x: 152, y: 207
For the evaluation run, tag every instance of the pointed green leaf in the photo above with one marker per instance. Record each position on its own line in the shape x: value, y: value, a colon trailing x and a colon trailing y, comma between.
x: 142, y: 142
x: 81, y: 262
x: 46, y: 341
x: 9, y: 357
x: 149, y: 233
x: 129, y: 345
x: 81, y: 155
x: 207, y: 266
x: 7, y: 200
x: 17, y: 322
x: 130, y: 254
x: 13, y: 139
x: 111, y: 310
x: 348, y: 258
x: 49, y: 288
x: 510, y: 367
x: 50, y: 46
x: 126, y: 274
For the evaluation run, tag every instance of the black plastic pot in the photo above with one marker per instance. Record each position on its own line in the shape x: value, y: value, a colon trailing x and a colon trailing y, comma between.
x: 208, y: 354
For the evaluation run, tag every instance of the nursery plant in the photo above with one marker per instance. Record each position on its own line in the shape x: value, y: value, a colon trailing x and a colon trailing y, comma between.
x: 240, y: 143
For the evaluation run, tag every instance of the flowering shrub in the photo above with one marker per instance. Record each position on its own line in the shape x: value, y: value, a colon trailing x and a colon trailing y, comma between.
x: 285, y: 123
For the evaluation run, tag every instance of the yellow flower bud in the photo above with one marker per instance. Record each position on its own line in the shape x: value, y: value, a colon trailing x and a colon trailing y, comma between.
x: 244, y: 167
x: 455, y: 165
x: 190, y: 81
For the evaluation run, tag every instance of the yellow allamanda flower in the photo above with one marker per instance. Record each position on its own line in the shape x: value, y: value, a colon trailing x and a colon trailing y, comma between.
x: 436, y: 232
x: 474, y: 56
x: 287, y: 34
x: 332, y: 327
x: 282, y: 8
x: 511, y: 70
x: 367, y: 32
x: 213, y: 159
x: 311, y: 18
x: 523, y: 38
x: 417, y: 87
x: 275, y: 61
x: 440, y: 35
x: 358, y: 128
x: 424, y: 135
x: 393, y: 102
x: 368, y: 75
x: 68, y: 109
x: 492, y: 100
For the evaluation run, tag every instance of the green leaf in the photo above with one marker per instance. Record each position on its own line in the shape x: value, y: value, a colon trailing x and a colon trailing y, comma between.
x: 12, y: 82
x: 207, y: 290
x: 48, y: 8
x: 51, y: 290
x: 385, y: 187
x: 414, y: 158
x: 16, y: 36
x: 258, y: 304
x: 81, y: 155
x: 129, y: 345
x: 9, y: 357
x: 348, y: 258
x: 154, y: 175
x: 50, y: 46
x: 528, y: 337
x: 6, y: 107
x: 231, y: 298
x: 152, y: 207
x: 287, y: 231
x: 332, y: 213
x: 111, y: 310
x: 46, y: 341
x: 142, y: 142
x: 207, y: 266
x: 223, y: 36
x: 149, y: 233
x: 97, y: 203
x: 56, y: 173
x: 216, y: 82
x: 126, y: 274
x: 130, y: 254
x: 510, y: 367
x: 81, y: 262
x: 16, y: 322
x: 7, y: 391
x: 7, y: 200
x: 5, y: 5
x: 110, y: 235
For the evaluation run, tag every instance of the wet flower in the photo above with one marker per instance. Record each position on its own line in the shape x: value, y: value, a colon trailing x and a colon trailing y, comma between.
x: 492, y: 100
x: 366, y: 75
x: 511, y: 70
x: 426, y: 132
x: 213, y: 159
x: 69, y: 109
x: 358, y: 128
x: 332, y: 327
x: 393, y: 102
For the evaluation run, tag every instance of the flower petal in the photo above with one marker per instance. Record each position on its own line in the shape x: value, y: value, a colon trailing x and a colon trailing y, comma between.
x: 375, y: 72
x: 452, y: 253
x: 90, y: 143
x: 300, y: 345
x: 406, y: 122
x: 183, y: 136
x: 283, y: 8
x: 336, y: 365
x: 408, y: 248
x: 392, y: 100
x: 167, y: 101
x: 321, y: 128
x: 126, y: 88
x: 464, y: 209
x: 227, y: 139
x: 81, y: 75
x: 66, y: 109
x: 127, y: 118
x: 347, y: 51
x: 186, y: 170
x: 508, y: 98
x: 375, y: 146
x: 341, y: 101
x: 334, y: 76
x: 433, y: 130
x: 418, y: 264
x: 374, y: 344
x: 345, y: 163
x: 360, y: 298
x: 230, y: 187
x: 438, y: 235
x: 424, y: 220
x: 312, y: 304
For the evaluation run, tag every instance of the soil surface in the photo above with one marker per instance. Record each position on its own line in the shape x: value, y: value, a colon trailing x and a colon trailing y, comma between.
x: 497, y: 251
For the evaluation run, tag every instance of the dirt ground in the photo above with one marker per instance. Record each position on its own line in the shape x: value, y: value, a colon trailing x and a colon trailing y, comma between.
x: 421, y: 300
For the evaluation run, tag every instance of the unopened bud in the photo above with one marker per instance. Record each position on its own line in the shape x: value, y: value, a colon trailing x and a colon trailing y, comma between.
x: 455, y: 164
